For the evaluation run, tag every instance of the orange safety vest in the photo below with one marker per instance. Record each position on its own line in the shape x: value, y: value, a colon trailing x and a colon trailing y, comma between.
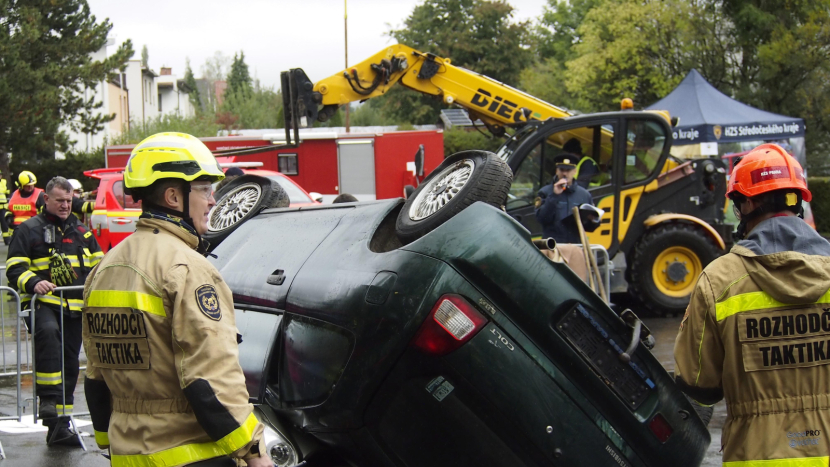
x: 24, y: 208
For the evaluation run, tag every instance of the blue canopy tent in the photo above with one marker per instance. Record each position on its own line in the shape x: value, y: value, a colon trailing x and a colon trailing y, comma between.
x: 709, y: 116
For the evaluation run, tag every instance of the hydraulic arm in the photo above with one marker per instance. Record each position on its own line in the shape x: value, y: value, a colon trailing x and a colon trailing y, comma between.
x: 494, y: 103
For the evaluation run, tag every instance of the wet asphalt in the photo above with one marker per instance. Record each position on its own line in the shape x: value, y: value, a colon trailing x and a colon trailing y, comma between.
x: 29, y: 449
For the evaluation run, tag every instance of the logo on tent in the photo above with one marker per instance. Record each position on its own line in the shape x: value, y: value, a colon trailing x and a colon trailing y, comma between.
x: 718, y: 131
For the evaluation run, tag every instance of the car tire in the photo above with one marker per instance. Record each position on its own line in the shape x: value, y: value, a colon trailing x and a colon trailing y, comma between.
x: 240, y: 200
x: 407, y: 191
x: 461, y: 180
x: 667, y: 262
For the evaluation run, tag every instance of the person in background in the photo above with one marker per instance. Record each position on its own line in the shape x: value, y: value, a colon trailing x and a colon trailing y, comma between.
x: 27, y: 200
x: 4, y: 206
x: 53, y: 249
x: 586, y: 168
x: 80, y: 207
x: 230, y: 174
x: 756, y: 329
x: 555, y: 201
x: 344, y: 198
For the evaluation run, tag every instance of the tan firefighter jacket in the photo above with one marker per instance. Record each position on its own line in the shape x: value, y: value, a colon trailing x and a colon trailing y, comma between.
x: 161, y: 342
x: 757, y: 333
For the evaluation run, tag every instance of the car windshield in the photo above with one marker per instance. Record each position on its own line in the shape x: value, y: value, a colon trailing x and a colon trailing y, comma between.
x: 295, y: 194
x: 513, y: 142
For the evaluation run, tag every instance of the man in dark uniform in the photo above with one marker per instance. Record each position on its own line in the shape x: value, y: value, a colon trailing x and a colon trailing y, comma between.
x: 586, y: 168
x: 555, y: 201
x: 53, y: 249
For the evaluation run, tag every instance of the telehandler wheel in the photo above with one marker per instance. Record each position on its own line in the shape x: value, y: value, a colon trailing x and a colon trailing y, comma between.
x: 667, y: 262
x: 461, y: 180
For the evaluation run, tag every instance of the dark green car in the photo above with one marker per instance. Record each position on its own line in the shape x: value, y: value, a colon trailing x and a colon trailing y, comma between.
x: 367, y: 342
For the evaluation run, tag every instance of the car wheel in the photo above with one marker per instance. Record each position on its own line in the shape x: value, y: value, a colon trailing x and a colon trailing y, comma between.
x: 461, y: 180
x: 667, y: 262
x: 240, y: 200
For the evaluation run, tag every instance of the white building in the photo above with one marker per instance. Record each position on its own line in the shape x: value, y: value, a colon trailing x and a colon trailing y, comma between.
x: 143, y: 93
x: 173, y: 94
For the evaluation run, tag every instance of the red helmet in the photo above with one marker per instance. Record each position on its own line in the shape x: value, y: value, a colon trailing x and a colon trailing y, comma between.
x: 767, y: 168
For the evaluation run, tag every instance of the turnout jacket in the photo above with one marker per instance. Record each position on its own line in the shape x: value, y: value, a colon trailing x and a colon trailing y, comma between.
x: 163, y: 379
x: 757, y: 333
x: 29, y: 254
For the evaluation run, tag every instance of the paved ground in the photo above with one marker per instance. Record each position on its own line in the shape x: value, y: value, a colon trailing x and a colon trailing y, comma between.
x: 29, y: 449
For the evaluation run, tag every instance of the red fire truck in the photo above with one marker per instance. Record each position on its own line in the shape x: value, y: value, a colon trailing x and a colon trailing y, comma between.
x: 369, y: 163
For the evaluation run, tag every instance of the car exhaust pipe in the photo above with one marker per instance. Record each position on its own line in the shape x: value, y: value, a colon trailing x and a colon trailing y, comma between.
x: 545, y: 243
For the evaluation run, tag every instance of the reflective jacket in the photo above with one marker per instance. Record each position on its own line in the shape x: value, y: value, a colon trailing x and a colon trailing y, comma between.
x: 29, y: 254
x: 4, y: 193
x: 757, y: 333
x: 25, y: 207
x: 163, y: 379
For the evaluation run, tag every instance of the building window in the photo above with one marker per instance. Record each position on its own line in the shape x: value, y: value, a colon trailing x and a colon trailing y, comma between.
x: 159, y: 102
x: 288, y: 164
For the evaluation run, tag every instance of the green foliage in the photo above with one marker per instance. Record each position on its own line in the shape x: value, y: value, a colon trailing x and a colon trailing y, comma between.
x: 459, y: 139
x: 820, y: 188
x: 72, y: 167
x: 45, y: 67
x: 200, y: 125
x: 239, y: 79
x: 145, y: 56
x: 190, y: 81
x: 259, y: 107
x: 476, y: 34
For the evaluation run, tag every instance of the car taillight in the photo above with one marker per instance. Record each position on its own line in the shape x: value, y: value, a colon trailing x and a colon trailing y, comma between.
x: 660, y: 427
x: 452, y: 322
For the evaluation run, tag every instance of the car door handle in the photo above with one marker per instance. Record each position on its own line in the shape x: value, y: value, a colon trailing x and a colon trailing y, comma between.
x: 122, y: 221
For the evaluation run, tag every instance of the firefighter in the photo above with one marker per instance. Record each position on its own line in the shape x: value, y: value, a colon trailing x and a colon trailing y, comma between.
x: 52, y: 249
x: 27, y: 200
x: 80, y: 207
x: 4, y: 206
x: 756, y: 330
x: 163, y: 379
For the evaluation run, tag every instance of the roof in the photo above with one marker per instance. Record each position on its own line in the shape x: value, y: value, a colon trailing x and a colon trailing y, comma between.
x: 708, y: 115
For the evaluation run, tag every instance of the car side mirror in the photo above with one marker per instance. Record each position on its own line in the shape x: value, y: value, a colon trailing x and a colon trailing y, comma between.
x: 419, y: 161
x: 316, y: 196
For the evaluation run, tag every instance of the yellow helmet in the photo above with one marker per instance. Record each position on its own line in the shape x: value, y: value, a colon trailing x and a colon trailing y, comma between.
x: 26, y: 178
x: 170, y: 155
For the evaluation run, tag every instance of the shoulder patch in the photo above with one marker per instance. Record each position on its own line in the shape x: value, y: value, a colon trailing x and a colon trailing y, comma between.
x: 208, y: 302
x: 88, y: 234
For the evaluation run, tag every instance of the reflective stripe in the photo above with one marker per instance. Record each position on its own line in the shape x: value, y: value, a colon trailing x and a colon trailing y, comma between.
x: 754, y: 301
x: 21, y: 281
x: 64, y: 409
x: 49, y: 379
x: 124, y: 299
x: 798, y: 462
x: 190, y: 453
x: 74, y: 304
x: 17, y: 260
x: 102, y: 438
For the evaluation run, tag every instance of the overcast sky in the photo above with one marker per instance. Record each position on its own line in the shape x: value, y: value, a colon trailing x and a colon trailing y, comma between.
x: 275, y: 35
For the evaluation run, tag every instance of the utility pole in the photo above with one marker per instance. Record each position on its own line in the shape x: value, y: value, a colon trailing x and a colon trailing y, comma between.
x: 346, y: 42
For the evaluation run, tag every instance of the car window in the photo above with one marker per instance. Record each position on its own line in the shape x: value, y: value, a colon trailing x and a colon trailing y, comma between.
x: 645, y: 140
x: 126, y: 201
x: 526, y: 180
x: 295, y: 194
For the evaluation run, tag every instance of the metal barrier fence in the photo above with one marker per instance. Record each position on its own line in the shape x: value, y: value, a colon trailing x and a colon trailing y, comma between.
x: 26, y: 345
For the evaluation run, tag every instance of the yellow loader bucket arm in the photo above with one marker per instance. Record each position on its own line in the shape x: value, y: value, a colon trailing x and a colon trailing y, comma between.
x: 495, y: 103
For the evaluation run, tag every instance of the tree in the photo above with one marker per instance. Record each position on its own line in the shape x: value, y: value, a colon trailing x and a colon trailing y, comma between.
x: 190, y: 81
x: 145, y: 57
x: 215, y: 69
x: 45, y: 65
x: 259, y: 107
x: 475, y: 34
x: 239, y: 79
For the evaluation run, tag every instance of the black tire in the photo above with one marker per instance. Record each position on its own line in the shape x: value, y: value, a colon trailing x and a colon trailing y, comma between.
x: 407, y: 191
x: 476, y: 176
x: 682, y: 250
x: 240, y: 200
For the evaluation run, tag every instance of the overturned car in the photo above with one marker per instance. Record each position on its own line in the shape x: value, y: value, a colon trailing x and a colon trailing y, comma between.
x: 433, y: 332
